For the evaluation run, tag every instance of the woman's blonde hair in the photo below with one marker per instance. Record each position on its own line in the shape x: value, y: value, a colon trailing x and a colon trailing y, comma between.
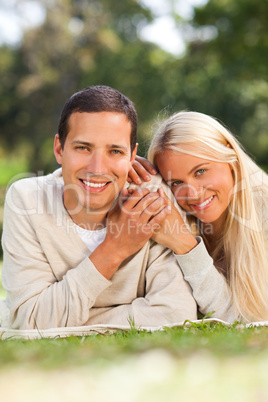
x: 243, y: 241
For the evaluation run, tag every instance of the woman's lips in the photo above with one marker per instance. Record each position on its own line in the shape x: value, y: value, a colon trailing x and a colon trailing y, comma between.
x: 205, y: 204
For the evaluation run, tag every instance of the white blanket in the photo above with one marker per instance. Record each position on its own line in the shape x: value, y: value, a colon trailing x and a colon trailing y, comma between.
x: 7, y: 333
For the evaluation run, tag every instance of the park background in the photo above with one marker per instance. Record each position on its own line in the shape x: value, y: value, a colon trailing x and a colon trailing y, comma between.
x: 217, y: 66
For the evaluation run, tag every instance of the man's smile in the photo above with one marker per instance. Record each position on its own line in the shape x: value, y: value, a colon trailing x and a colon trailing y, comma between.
x: 95, y: 186
x: 92, y: 184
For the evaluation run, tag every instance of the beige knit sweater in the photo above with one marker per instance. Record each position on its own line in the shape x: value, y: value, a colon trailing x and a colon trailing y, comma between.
x: 51, y: 282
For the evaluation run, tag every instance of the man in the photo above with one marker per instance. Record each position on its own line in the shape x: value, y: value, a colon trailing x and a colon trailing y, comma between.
x: 77, y: 248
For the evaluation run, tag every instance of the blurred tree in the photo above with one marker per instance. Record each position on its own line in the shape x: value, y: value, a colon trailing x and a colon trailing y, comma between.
x: 80, y: 43
x: 85, y: 42
x: 225, y: 69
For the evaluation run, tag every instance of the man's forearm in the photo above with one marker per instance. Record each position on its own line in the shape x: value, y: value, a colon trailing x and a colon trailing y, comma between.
x: 106, y: 259
x: 63, y: 303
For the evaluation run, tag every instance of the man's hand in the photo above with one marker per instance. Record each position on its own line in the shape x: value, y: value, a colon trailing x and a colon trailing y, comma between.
x: 130, y: 224
x: 140, y: 169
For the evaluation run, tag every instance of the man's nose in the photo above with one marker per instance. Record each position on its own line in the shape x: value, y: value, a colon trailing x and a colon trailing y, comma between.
x: 97, y: 163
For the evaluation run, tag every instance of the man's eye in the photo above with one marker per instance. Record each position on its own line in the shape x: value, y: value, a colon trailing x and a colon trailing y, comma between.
x: 116, y: 152
x: 81, y: 148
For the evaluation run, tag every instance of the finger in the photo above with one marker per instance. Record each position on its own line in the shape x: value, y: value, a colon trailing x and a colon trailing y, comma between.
x: 154, y: 225
x: 153, y: 208
x: 133, y: 176
x: 131, y: 191
x: 140, y: 171
x: 174, y: 210
x: 146, y: 164
x: 159, y: 217
x: 124, y: 193
x: 123, y: 196
x: 138, y: 202
x: 148, y: 207
x: 134, y: 198
x: 163, y: 194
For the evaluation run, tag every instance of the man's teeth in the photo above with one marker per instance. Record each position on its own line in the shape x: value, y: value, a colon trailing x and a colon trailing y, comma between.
x: 95, y: 185
x: 205, y: 202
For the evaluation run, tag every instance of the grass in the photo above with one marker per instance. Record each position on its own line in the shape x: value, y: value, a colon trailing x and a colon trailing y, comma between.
x: 206, y: 363
x: 178, y: 343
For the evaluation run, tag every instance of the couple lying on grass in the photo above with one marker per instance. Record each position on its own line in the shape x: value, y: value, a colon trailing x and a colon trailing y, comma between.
x: 104, y: 239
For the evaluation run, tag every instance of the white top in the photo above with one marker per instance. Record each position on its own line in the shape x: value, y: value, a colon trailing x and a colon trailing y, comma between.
x: 91, y: 238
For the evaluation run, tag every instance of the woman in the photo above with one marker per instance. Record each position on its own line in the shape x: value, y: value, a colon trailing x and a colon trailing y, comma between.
x: 222, y: 249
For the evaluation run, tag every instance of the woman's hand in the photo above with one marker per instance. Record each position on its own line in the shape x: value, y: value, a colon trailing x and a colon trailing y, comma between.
x: 173, y: 232
x: 140, y: 169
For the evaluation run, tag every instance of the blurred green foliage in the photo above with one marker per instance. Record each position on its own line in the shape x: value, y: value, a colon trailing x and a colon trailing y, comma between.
x: 229, y: 72
x: 223, y: 72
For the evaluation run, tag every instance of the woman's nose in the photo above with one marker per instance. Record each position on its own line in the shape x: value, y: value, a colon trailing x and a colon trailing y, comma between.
x: 193, y: 191
x: 188, y: 191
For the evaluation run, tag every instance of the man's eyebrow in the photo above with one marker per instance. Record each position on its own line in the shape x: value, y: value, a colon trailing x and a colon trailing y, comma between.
x: 77, y: 142
x: 191, y: 171
x: 110, y: 146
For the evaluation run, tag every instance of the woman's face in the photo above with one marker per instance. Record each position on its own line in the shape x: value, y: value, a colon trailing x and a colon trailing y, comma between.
x: 201, y: 187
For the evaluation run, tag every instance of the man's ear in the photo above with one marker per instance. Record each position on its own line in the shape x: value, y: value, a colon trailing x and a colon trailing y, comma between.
x: 58, y: 149
x: 133, y: 156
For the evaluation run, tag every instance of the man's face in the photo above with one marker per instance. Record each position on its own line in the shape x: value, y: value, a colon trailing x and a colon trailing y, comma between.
x: 95, y: 162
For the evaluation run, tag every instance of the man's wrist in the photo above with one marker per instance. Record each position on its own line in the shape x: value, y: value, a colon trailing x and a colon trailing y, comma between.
x: 106, y: 260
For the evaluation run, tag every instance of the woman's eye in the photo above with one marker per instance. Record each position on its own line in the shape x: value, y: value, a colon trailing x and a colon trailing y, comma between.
x: 200, y: 172
x: 175, y: 183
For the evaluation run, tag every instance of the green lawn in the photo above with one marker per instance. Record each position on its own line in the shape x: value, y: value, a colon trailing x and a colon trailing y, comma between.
x: 209, y: 362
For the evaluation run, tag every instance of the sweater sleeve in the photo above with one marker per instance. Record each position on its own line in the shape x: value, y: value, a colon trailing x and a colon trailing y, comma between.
x: 166, y: 297
x: 210, y: 288
x: 36, y: 298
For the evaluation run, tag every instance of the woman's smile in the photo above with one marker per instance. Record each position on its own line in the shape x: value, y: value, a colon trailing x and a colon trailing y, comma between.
x: 204, y: 204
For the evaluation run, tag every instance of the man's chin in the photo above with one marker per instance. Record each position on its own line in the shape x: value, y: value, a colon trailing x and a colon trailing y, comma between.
x: 96, y: 208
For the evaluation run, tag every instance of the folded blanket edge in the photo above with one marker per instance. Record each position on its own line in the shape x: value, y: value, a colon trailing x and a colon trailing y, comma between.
x: 63, y: 332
